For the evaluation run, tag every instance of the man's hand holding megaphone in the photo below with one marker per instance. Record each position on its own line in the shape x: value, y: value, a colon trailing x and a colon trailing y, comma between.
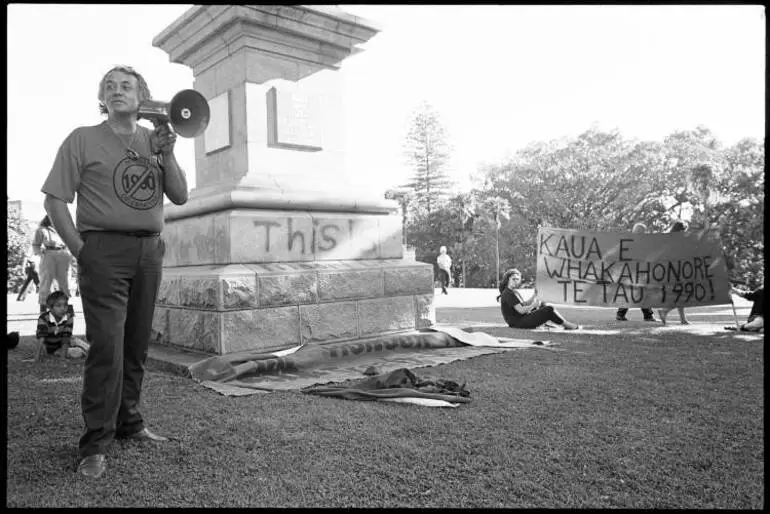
x: 163, y: 140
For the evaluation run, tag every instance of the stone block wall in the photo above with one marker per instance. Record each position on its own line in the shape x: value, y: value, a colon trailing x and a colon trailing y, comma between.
x: 221, y: 309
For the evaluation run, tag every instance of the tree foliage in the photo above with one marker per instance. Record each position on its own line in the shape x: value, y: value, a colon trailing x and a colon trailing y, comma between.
x: 599, y: 180
x: 427, y: 150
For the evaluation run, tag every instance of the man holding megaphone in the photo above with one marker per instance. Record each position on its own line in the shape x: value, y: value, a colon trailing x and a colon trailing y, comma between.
x: 120, y: 172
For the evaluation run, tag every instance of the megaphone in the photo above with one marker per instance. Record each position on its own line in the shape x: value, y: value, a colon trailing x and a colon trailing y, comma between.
x: 188, y: 113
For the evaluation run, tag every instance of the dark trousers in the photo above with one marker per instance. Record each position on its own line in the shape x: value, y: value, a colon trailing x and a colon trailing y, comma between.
x: 443, y: 276
x: 536, y: 318
x: 757, y: 308
x: 646, y: 312
x: 119, y: 276
x: 31, y: 277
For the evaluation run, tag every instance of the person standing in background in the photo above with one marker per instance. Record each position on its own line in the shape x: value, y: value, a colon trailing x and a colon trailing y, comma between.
x: 54, y: 260
x: 444, y: 262
x: 678, y: 226
x: 639, y: 228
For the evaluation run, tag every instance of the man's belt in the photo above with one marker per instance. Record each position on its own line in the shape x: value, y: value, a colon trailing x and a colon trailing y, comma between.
x: 133, y: 233
x: 47, y: 247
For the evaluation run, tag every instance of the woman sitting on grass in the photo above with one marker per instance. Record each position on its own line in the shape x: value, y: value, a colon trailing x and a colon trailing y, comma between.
x: 530, y: 313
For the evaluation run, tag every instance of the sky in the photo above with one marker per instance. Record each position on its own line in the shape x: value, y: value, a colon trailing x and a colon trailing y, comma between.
x: 500, y: 77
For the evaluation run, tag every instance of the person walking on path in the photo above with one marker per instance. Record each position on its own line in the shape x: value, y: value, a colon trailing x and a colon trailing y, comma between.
x: 120, y: 172
x: 444, y: 262
x: 647, y: 314
x: 54, y: 261
x: 32, y: 277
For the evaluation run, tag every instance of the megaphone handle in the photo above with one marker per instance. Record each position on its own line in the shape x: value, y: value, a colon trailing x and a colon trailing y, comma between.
x: 158, y: 123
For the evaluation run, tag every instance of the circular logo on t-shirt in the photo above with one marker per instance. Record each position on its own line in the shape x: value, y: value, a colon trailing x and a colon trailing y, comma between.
x: 136, y: 182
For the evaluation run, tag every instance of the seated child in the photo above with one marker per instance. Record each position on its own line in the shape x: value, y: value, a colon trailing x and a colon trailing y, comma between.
x: 54, y: 326
x: 521, y: 312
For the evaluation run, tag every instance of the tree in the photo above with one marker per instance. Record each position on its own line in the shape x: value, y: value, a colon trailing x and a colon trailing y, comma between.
x: 498, y: 209
x: 739, y: 207
x: 601, y: 181
x: 462, y: 212
x: 17, y: 244
x: 427, y: 151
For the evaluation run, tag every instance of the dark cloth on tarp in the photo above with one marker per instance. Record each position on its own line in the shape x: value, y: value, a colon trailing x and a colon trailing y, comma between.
x: 400, y: 383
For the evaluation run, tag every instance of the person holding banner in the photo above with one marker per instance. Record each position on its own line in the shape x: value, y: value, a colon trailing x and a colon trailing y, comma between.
x: 523, y: 311
x: 678, y: 226
x: 639, y: 228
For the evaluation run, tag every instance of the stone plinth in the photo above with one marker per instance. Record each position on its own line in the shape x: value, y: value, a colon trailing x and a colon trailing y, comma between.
x: 274, y: 248
x: 232, y: 308
x: 244, y: 236
x: 269, y: 74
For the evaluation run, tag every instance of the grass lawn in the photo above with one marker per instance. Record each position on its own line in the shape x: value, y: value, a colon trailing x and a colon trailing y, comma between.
x: 636, y: 418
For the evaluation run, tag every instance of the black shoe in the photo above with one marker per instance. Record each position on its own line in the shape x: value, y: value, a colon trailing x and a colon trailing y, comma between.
x: 93, y: 466
x: 621, y: 318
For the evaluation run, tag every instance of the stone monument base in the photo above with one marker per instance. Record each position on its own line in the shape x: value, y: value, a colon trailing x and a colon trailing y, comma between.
x: 234, y: 308
x: 260, y: 279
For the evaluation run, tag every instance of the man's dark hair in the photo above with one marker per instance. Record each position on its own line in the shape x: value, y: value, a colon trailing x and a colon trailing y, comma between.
x: 504, y: 281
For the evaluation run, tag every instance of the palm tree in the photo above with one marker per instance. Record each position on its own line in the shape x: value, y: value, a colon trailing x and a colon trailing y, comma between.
x: 497, y: 209
x: 463, y: 207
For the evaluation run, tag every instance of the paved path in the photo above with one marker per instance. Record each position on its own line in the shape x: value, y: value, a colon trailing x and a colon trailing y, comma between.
x: 460, y: 306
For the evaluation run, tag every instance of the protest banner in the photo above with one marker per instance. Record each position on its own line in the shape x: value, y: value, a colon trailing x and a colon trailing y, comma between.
x: 625, y: 269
